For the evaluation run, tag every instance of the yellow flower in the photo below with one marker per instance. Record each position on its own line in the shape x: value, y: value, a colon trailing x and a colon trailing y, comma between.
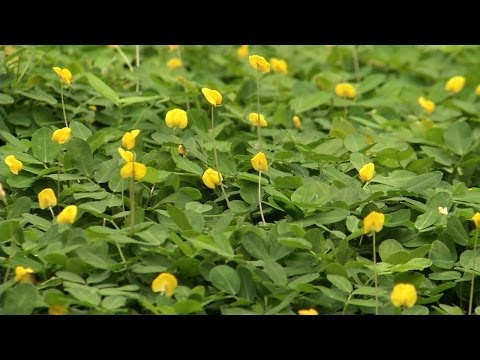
x: 279, y: 65
x: 128, y: 139
x: 428, y: 105
x: 176, y: 118
x: 3, y: 194
x: 92, y: 107
x: 308, y: 312
x: 68, y: 215
x: 62, y: 135
x: 126, y: 155
x: 212, y: 96
x: 404, y: 295
x: 212, y: 178
x: 477, y: 90
x: 366, y: 172
x: 181, y: 149
x: 242, y: 51
x: 345, y: 90
x: 476, y: 220
x: 443, y: 210
x: 14, y: 164
x: 374, y: 222
x: 259, y: 63
x: 23, y: 274
x: 259, y: 162
x: 257, y: 120
x: 133, y: 169
x: 165, y: 283
x: 64, y: 74
x: 46, y: 198
x: 297, y: 122
x: 173, y: 47
x: 455, y: 84
x: 174, y: 63
x: 57, y: 310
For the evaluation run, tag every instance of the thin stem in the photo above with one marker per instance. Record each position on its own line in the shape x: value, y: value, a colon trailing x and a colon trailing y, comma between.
x: 216, y: 161
x: 137, y: 63
x: 51, y: 211
x: 63, y: 105
x: 356, y: 63
x: 260, y: 196
x: 375, y: 276
x: 259, y: 133
x: 124, y: 57
x: 470, y: 303
x: 179, y: 54
x: 132, y: 203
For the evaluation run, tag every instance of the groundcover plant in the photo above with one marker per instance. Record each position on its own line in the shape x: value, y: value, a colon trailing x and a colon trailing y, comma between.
x: 239, y: 179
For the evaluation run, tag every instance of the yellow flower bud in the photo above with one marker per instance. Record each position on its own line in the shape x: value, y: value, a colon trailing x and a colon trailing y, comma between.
x: 174, y: 63
x: 366, y: 172
x: 427, y: 105
x: 23, y: 274
x: 92, y: 107
x: 259, y: 63
x: 374, y: 222
x: 242, y: 51
x: 68, y: 215
x: 308, y: 312
x: 279, y: 65
x: 212, y: 96
x: 126, y: 155
x: 165, y: 283
x: 57, y: 310
x: 477, y: 90
x: 455, y: 84
x: 345, y: 90
x: 442, y: 210
x: 133, y: 169
x: 64, y: 74
x: 297, y: 122
x: 62, y: 135
x: 47, y: 198
x: 404, y: 295
x: 257, y: 120
x: 3, y: 194
x: 173, y: 47
x: 181, y: 149
x: 176, y: 118
x: 476, y: 220
x: 128, y: 139
x: 14, y: 164
x: 212, y: 178
x: 259, y: 162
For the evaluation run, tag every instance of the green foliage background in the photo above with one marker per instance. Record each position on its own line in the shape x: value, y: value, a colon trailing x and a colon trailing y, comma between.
x: 312, y: 252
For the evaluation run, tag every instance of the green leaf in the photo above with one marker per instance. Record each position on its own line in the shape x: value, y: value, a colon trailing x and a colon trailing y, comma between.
x: 226, y: 279
x: 37, y: 221
x: 341, y: 282
x: 20, y: 300
x: 313, y: 194
x: 79, y: 130
x: 179, y: 218
x: 425, y: 220
x: 456, y: 231
x: 309, y: 102
x: 355, y: 142
x: 389, y: 247
x: 459, y: 137
x: 43, y: 147
x: 113, y: 302
x: 104, y: 171
x: 294, y: 242
x: 6, y: 99
x: 85, y: 294
x: 21, y: 206
x: 103, y: 89
x: 441, y: 256
x: 275, y: 272
x: 94, y: 259
x: 332, y: 216
x: 186, y: 165
x: 81, y: 155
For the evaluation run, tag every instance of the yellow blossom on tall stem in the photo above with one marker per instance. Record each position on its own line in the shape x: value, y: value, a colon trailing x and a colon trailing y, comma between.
x: 47, y: 199
x: 366, y: 172
x: 212, y: 178
x: 133, y: 170
x: 15, y: 165
x: 126, y: 155
x: 404, y: 295
x: 259, y: 63
x: 242, y: 51
x: 176, y: 118
x: 174, y: 63
x: 279, y: 66
x: 65, y: 78
x: 128, y: 139
x: 212, y: 96
x: 23, y: 274
x: 257, y: 120
x: 297, y: 122
x: 68, y: 215
x: 476, y: 220
x: 308, y: 312
x: 259, y: 163
x: 345, y: 90
x: 373, y: 223
x: 165, y: 283
x: 427, y: 105
x: 455, y: 84
x: 62, y: 135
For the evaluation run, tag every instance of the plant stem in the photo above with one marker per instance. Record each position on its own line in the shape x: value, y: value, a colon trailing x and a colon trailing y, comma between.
x: 63, y: 105
x: 179, y: 54
x: 132, y: 199
x: 124, y: 57
x: 356, y: 63
x: 260, y: 195
x: 470, y: 303
x: 137, y: 63
x: 216, y: 161
x: 375, y: 273
x: 51, y: 211
x: 259, y: 133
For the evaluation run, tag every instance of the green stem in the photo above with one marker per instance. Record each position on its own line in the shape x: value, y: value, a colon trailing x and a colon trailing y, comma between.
x: 184, y: 85
x: 51, y: 211
x: 259, y: 133
x: 132, y: 198
x: 63, y: 105
x: 260, y: 195
x: 137, y: 63
x: 216, y: 161
x: 375, y: 276
x: 124, y: 57
x: 7, y: 272
x: 470, y: 303
x: 356, y: 63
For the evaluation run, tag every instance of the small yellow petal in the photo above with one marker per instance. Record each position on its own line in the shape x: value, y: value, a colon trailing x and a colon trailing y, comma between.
x: 297, y: 122
x: 345, y: 90
x: 176, y: 118
x: 212, y: 178
x: 47, y: 198
x: 374, y: 222
x: 126, y: 155
x: 455, y: 84
x: 22, y: 274
x: 404, y: 295
x: 427, y: 105
x: 242, y: 51
x: 279, y: 65
x: 68, y: 215
x: 174, y: 63
x: 366, y: 172
x: 128, y: 139
x: 257, y: 120
x: 476, y: 220
x: 259, y: 63
x: 308, y: 312
x: 259, y: 162
x: 62, y: 135
x: 14, y: 164
x: 133, y: 169
x: 212, y: 96
x: 165, y: 283
x: 64, y: 74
